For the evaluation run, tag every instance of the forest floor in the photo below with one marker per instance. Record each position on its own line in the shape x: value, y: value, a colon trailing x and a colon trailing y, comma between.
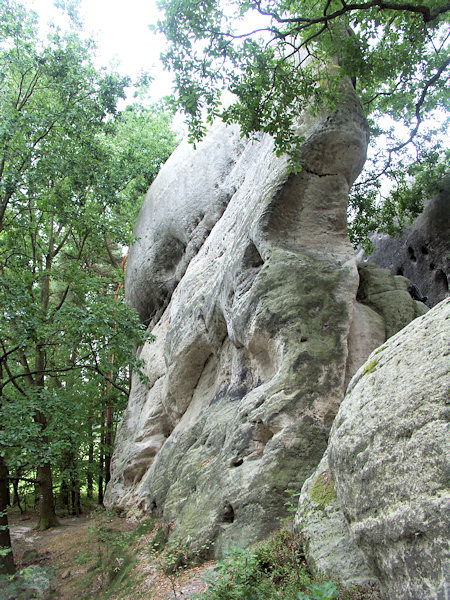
x: 90, y: 557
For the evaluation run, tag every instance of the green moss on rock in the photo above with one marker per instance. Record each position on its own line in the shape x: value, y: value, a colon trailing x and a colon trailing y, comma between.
x: 370, y: 367
x: 322, y: 491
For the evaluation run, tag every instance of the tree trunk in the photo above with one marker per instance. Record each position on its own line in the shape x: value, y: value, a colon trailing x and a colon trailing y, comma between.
x: 100, y: 461
x: 74, y: 484
x: 90, y: 479
x: 76, y: 498
x: 47, y: 515
x: 108, y: 443
x: 64, y: 494
x: 16, y: 497
x: 6, y: 561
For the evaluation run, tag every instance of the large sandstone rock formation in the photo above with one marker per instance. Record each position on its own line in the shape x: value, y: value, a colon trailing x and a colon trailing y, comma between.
x: 422, y: 253
x: 328, y: 544
x: 377, y: 506
x: 247, y: 278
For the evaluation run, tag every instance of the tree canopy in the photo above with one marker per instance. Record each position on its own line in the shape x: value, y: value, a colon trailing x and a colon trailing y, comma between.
x: 73, y: 171
x: 273, y: 56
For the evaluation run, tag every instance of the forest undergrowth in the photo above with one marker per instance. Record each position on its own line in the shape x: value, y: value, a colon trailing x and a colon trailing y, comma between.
x: 100, y: 556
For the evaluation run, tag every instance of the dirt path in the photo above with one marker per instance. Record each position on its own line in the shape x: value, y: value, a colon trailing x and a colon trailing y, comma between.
x: 72, y: 549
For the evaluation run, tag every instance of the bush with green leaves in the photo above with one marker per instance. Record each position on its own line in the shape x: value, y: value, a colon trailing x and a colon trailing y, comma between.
x: 274, y: 569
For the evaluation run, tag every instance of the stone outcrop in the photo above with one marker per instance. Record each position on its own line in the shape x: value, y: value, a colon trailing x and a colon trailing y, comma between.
x: 422, y: 253
x: 329, y: 547
x: 247, y: 278
x: 383, y: 485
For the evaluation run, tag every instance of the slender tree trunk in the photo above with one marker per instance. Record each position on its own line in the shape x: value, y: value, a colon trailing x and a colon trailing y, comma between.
x: 64, y: 494
x: 100, y: 461
x: 47, y: 515
x: 16, y: 497
x: 74, y: 484
x: 76, y: 498
x: 7, y: 560
x: 108, y: 443
x: 90, y: 479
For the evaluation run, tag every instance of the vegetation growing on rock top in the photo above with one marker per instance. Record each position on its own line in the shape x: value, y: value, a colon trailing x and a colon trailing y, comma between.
x: 395, y: 53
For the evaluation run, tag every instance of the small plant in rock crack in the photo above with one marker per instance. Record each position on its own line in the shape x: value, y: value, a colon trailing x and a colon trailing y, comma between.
x: 172, y: 563
x: 319, y: 591
x: 291, y: 504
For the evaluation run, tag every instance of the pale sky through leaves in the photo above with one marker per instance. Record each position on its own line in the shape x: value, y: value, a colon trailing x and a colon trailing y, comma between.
x: 120, y: 28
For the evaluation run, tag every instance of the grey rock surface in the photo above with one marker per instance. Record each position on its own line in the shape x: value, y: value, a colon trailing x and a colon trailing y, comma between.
x: 252, y: 316
x: 389, y: 457
x: 388, y: 295
x: 186, y: 200
x: 328, y: 544
x: 248, y: 367
x: 422, y: 253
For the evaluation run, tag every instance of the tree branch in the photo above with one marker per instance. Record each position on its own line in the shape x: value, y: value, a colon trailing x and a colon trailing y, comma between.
x: 419, y: 104
x: 306, y: 22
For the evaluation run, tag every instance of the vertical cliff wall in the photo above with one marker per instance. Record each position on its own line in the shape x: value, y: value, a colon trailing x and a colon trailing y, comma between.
x: 245, y: 275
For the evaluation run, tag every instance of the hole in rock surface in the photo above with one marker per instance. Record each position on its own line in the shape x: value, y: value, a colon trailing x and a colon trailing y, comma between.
x: 252, y: 258
x: 411, y: 253
x: 441, y: 279
x: 228, y: 514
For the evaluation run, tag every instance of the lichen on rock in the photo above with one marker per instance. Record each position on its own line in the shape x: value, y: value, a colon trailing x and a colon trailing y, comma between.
x: 247, y: 279
x: 389, y: 456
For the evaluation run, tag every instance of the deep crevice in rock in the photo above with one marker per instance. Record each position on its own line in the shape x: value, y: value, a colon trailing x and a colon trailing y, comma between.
x: 228, y: 514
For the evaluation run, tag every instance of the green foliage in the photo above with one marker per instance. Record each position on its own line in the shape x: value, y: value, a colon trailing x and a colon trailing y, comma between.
x: 159, y: 540
x: 112, y: 554
x: 73, y: 171
x: 291, y: 504
x: 29, y: 582
x: 115, y: 557
x: 319, y: 591
x: 275, y: 57
x: 272, y: 569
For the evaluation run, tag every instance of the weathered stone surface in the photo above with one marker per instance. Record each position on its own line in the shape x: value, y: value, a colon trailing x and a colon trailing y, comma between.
x: 188, y: 197
x: 252, y: 317
x: 388, y: 295
x: 389, y: 456
x: 328, y: 544
x: 422, y: 253
x: 248, y: 367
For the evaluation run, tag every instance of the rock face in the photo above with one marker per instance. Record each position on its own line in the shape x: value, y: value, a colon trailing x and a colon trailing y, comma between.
x: 389, y: 457
x: 422, y: 253
x: 248, y: 280
x: 328, y: 544
x: 383, y: 308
